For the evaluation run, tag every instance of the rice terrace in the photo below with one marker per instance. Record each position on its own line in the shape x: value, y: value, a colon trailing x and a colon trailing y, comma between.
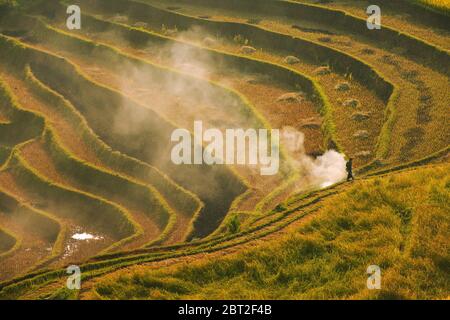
x: 199, y: 149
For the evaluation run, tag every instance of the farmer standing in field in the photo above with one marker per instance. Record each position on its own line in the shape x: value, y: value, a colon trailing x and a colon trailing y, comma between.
x: 349, y: 168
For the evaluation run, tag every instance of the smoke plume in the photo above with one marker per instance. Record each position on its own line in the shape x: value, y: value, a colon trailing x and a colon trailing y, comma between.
x: 322, y: 171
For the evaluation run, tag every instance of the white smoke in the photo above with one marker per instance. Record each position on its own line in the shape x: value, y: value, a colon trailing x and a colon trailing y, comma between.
x: 190, y: 98
x: 178, y: 96
x: 322, y: 171
x: 185, y: 59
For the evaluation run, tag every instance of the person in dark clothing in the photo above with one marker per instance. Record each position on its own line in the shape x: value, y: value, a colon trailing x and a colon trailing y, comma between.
x: 349, y: 168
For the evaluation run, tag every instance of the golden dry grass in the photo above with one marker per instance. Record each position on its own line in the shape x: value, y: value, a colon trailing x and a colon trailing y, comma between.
x: 397, y: 222
x: 443, y: 5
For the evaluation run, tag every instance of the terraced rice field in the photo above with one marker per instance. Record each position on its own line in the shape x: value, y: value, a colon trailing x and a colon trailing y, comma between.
x: 86, y: 118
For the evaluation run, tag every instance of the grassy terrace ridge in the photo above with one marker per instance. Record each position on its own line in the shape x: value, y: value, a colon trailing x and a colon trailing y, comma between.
x: 113, y: 218
x: 16, y: 288
x: 48, y: 227
x: 328, y: 123
x: 15, y: 154
x: 390, y: 96
x: 113, y: 261
x: 26, y: 174
x: 278, y: 190
x: 391, y: 117
x: 69, y: 165
x: 245, y: 63
x: 134, y: 170
x: 100, y: 90
x: 438, y: 6
x: 299, y: 202
x: 386, y: 146
x: 282, y: 73
x: 398, y: 241
x: 86, y: 118
x: 92, y: 293
x: 98, y: 180
x: 248, y: 110
x: 400, y: 15
x: 420, y: 49
x: 249, y: 64
x: 10, y: 243
x: 338, y: 60
x: 54, y: 36
x: 13, y: 132
x: 62, y: 156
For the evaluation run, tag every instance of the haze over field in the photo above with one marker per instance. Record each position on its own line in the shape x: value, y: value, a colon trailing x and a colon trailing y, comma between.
x: 272, y: 98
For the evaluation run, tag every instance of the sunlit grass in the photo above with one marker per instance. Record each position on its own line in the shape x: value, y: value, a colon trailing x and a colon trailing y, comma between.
x: 400, y: 223
x: 442, y: 5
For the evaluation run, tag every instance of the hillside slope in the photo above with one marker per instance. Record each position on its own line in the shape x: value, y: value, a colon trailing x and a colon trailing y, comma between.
x: 87, y: 124
x: 399, y: 222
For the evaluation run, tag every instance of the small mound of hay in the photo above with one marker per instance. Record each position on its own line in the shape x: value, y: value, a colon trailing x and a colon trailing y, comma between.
x: 361, y: 134
x: 141, y: 24
x: 119, y: 19
x: 311, y: 123
x: 291, y: 60
x: 257, y: 78
x: 292, y: 97
x: 321, y: 71
x: 351, y: 103
x: 247, y: 50
x: 343, y: 86
x: 252, y: 80
x: 360, y: 116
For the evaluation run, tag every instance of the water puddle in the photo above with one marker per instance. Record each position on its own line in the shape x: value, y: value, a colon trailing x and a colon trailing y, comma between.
x: 80, y: 240
x: 85, y: 236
